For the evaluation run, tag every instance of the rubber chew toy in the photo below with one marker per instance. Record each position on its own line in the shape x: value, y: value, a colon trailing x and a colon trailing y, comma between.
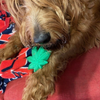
x: 39, y: 58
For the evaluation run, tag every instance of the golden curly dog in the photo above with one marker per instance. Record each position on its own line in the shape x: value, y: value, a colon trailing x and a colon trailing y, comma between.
x: 66, y: 27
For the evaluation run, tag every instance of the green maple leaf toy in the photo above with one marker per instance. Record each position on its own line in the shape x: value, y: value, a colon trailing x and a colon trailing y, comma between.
x: 39, y: 58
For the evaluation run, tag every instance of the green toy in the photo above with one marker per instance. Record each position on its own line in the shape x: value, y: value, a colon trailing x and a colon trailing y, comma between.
x: 39, y: 58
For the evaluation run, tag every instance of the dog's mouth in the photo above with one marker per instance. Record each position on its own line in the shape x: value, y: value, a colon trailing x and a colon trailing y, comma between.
x: 51, y: 45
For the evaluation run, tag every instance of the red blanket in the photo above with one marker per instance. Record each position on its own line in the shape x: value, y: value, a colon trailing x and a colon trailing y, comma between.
x: 14, y: 68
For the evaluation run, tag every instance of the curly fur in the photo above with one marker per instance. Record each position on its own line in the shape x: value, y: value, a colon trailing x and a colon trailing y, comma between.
x: 74, y: 26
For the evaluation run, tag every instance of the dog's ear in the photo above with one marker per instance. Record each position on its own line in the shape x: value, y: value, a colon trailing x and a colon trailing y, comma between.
x: 15, y: 7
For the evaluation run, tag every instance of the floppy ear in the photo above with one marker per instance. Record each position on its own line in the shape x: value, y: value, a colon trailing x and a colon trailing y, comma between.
x: 16, y: 10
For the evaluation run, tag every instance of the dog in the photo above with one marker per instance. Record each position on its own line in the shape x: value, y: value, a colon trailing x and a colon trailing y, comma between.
x: 66, y: 27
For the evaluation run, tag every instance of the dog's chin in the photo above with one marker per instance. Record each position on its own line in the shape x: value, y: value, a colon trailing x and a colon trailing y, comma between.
x: 53, y: 46
x: 48, y: 46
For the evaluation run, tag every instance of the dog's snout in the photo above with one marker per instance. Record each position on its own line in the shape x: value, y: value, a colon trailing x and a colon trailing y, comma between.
x: 42, y: 37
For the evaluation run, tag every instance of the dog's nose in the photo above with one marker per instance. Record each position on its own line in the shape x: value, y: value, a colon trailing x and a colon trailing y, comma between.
x: 42, y: 38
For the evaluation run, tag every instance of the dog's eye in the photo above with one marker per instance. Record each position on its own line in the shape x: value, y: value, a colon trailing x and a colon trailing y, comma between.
x: 20, y: 5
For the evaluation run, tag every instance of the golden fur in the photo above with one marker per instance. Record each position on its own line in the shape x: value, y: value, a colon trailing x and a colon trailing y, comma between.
x: 74, y: 26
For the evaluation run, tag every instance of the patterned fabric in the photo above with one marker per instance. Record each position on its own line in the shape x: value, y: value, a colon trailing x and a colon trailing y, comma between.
x: 16, y: 67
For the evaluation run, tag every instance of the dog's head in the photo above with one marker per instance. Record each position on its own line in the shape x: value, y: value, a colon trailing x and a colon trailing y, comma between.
x: 41, y: 22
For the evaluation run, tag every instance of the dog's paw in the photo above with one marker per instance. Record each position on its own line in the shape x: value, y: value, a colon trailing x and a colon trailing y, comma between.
x: 2, y: 55
x: 5, y: 54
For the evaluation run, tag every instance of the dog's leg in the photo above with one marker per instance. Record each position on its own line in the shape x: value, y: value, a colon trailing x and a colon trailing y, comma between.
x: 41, y: 83
x: 12, y: 48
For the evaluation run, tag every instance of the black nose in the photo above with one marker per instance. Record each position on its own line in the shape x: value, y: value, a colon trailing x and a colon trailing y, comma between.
x: 42, y: 38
